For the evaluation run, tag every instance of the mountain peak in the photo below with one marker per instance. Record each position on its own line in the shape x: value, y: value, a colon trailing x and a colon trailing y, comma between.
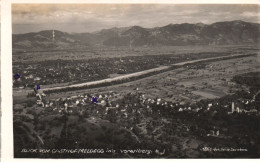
x: 228, y: 32
x: 137, y: 28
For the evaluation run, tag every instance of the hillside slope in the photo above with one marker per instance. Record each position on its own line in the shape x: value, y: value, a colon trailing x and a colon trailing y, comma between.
x: 227, y: 33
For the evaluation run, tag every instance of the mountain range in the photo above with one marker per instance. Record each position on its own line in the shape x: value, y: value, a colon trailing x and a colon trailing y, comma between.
x: 219, y: 33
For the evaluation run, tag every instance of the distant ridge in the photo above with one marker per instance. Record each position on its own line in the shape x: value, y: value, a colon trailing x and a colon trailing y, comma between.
x: 219, y: 33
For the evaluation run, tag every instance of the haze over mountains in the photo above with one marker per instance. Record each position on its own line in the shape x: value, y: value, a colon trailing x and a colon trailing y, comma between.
x: 219, y: 33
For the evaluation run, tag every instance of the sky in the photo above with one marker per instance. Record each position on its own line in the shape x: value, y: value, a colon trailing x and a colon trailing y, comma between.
x: 78, y: 18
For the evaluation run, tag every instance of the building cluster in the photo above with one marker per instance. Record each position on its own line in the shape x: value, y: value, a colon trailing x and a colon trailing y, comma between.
x: 136, y: 103
x: 75, y: 101
x: 214, y: 132
x: 239, y: 109
x: 135, y: 110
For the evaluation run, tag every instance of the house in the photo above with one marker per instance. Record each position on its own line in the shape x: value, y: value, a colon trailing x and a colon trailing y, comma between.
x: 217, y: 133
x: 29, y: 77
x: 103, y: 102
x: 39, y: 102
x: 214, y: 132
x: 196, y: 110
x: 37, y: 78
x: 252, y: 111
x: 238, y: 110
x: 66, y: 105
x: 110, y: 108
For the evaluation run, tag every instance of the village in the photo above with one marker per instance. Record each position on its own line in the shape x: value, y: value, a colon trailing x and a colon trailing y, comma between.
x: 112, y: 100
x: 153, y: 120
x: 133, y: 110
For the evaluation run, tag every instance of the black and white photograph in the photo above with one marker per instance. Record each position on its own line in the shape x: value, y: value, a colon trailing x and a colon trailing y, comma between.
x: 124, y: 81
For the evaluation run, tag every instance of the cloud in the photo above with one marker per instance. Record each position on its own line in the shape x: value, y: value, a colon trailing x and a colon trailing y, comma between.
x: 91, y: 17
x: 250, y: 14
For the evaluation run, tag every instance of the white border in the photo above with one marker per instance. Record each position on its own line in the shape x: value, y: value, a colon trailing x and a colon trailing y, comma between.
x: 143, y: 1
x: 6, y: 82
x: 6, y: 67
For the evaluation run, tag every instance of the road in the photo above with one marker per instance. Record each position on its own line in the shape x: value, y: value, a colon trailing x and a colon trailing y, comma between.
x: 136, y: 74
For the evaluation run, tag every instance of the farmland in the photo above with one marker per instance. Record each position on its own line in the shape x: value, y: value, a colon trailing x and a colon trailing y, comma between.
x: 67, y: 71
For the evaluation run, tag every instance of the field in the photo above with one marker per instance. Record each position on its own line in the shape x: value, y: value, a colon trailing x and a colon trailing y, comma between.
x: 112, y: 52
x: 190, y: 84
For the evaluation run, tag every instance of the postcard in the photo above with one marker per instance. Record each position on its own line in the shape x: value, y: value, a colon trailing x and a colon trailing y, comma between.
x: 135, y: 80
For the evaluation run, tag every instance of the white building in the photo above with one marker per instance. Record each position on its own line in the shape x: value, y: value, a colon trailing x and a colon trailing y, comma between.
x: 180, y: 109
x: 66, y: 105
x: 233, y: 107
